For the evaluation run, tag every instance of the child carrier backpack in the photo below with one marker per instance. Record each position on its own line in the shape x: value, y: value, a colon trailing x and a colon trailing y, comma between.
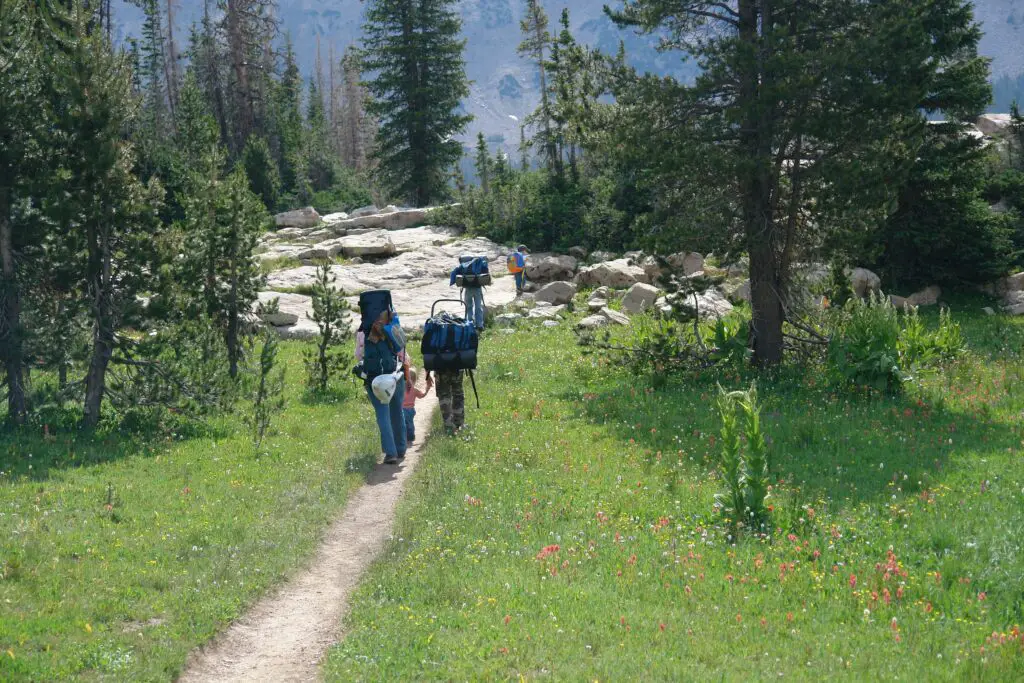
x: 371, y: 305
x: 450, y: 342
x: 472, y: 271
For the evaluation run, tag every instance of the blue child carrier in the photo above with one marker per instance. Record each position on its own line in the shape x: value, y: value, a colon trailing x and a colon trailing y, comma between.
x: 450, y: 342
x: 472, y: 271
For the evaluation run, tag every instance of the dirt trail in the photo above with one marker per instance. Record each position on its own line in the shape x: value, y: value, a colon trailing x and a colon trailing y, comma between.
x: 286, y: 634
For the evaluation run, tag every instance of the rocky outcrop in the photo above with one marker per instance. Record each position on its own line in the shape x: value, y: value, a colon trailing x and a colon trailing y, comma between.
x: 993, y: 124
x: 543, y: 269
x: 640, y: 297
x: 300, y: 218
x: 377, y: 243
x: 618, y: 274
x: 556, y: 293
x: 390, y: 219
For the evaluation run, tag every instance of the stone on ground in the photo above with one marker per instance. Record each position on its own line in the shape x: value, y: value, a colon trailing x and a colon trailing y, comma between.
x: 618, y: 274
x: 614, y: 316
x: 556, y: 293
x: 639, y: 298
x: 863, y: 282
x: 300, y: 218
x: 689, y: 262
x: 929, y: 296
x: 377, y: 243
x: 592, y: 322
x: 543, y: 269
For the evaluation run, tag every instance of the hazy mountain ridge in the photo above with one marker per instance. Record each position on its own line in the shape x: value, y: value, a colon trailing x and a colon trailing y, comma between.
x: 504, y: 86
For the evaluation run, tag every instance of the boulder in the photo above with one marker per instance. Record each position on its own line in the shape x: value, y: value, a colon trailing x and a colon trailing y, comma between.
x: 1013, y: 303
x: 618, y: 274
x: 377, y: 243
x: 550, y: 323
x: 300, y: 218
x: 392, y: 219
x: 551, y: 268
x: 737, y: 291
x: 639, y: 298
x: 364, y: 211
x: 291, y: 308
x: 863, y: 282
x: 1012, y: 283
x: 635, y: 255
x: 929, y: 296
x: 332, y: 218
x: 546, y: 312
x: 989, y: 310
x: 688, y: 262
x: 898, y: 302
x: 615, y: 316
x: 601, y: 257
x: 556, y: 293
x: 663, y: 305
x: 322, y: 252
x: 709, y: 304
x: 578, y: 253
x: 592, y: 322
x: 651, y: 267
x: 598, y: 299
x: 993, y: 124
x: 508, y: 318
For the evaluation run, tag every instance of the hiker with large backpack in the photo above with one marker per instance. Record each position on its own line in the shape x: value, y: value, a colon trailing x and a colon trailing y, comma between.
x: 472, y: 275
x: 382, y: 367
x: 517, y: 266
x: 449, y: 349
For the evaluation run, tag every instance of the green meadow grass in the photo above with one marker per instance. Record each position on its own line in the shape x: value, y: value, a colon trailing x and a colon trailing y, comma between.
x: 570, y: 533
x: 119, y: 554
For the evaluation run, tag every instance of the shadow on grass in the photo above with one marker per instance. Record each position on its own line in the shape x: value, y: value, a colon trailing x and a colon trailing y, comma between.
x: 836, y: 444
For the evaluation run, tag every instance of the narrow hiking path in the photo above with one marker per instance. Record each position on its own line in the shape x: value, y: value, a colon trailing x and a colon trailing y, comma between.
x: 284, y: 636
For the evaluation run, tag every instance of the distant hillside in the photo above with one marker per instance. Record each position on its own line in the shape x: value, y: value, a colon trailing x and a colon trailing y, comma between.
x: 505, y: 87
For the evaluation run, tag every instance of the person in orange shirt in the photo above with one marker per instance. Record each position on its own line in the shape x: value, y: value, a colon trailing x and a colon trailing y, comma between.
x: 517, y: 266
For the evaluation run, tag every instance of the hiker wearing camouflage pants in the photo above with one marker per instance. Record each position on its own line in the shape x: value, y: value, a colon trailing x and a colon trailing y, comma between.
x: 452, y: 398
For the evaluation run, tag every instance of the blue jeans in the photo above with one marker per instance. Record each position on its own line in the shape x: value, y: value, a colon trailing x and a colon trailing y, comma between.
x: 520, y: 280
x: 410, y: 423
x: 390, y: 421
x: 475, y: 306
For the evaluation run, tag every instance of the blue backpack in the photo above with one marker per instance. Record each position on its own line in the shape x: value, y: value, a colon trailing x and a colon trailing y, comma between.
x: 450, y: 342
x: 472, y: 271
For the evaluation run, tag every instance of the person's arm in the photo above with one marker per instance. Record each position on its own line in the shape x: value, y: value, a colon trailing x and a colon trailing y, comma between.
x: 422, y: 394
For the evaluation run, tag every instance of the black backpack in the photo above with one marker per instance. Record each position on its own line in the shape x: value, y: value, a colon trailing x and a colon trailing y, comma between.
x: 371, y: 305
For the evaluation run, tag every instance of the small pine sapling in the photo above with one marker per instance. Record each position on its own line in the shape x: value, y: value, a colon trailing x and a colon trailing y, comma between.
x: 331, y: 314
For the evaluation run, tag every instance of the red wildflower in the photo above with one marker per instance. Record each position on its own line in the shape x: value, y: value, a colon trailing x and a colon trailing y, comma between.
x: 547, y: 551
x: 981, y: 596
x: 789, y: 616
x: 661, y: 627
x: 508, y: 618
x: 853, y: 580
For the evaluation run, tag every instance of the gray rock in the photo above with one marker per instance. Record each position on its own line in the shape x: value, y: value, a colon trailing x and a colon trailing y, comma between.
x: 550, y: 323
x: 989, y: 310
x: 601, y: 257
x: 993, y: 124
x: 291, y: 308
x: 592, y: 322
x: 639, y: 298
x: 615, y: 316
x: 898, y: 302
x: 709, y: 304
x: 546, y: 312
x: 689, y: 262
x: 364, y: 211
x: 578, y: 253
x: 929, y: 296
x: 618, y: 274
x: 863, y: 282
x: 542, y: 269
x: 556, y: 293
x: 377, y: 243
x: 737, y: 291
x: 332, y: 218
x: 508, y: 318
x: 300, y: 218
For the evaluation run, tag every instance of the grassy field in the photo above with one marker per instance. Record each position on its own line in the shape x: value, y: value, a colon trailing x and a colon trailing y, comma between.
x: 570, y: 533
x: 120, y: 554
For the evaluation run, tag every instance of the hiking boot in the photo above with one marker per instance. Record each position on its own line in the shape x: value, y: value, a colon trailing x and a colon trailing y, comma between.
x: 390, y: 459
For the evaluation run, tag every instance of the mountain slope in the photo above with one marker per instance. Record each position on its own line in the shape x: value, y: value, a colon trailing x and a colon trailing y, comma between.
x: 504, y: 88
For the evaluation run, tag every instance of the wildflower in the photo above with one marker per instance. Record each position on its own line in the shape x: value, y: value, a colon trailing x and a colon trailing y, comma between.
x: 981, y: 596
x: 547, y: 551
x: 853, y: 580
x: 928, y: 608
x: 688, y: 590
x: 508, y: 618
x: 789, y: 616
x: 739, y: 618
x: 661, y: 627
x: 817, y: 554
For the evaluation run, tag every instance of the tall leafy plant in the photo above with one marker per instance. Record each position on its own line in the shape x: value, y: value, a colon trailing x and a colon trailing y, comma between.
x: 743, y: 462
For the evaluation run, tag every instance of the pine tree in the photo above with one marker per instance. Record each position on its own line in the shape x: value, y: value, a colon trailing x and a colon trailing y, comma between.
x: 805, y: 114
x: 331, y: 315
x: 483, y: 163
x: 290, y: 134
x: 223, y: 223
x: 21, y: 119
x: 536, y: 46
x: 356, y: 128
x: 412, y: 48
x: 249, y: 26
x: 261, y: 171
x: 106, y: 209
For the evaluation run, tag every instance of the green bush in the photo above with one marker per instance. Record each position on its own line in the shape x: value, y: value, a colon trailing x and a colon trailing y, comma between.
x: 876, y: 346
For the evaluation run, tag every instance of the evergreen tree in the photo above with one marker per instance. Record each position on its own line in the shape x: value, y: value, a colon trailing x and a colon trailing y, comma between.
x: 106, y: 209
x: 331, y: 315
x: 805, y: 114
x: 21, y: 119
x: 483, y: 163
x: 536, y: 46
x: 223, y: 223
x: 413, y: 51
x: 357, y: 128
x: 261, y: 170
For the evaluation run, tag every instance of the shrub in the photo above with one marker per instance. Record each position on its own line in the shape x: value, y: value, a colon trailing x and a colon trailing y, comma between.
x: 269, y: 396
x: 331, y: 314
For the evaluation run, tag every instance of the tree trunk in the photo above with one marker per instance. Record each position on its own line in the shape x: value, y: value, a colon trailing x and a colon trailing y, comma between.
x: 10, y: 323
x: 173, y: 75
x: 231, y: 333
x: 239, y: 63
x: 756, y: 189
x: 101, y: 289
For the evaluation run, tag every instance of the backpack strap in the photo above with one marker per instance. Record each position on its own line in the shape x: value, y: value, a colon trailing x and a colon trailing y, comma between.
x: 473, y: 383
